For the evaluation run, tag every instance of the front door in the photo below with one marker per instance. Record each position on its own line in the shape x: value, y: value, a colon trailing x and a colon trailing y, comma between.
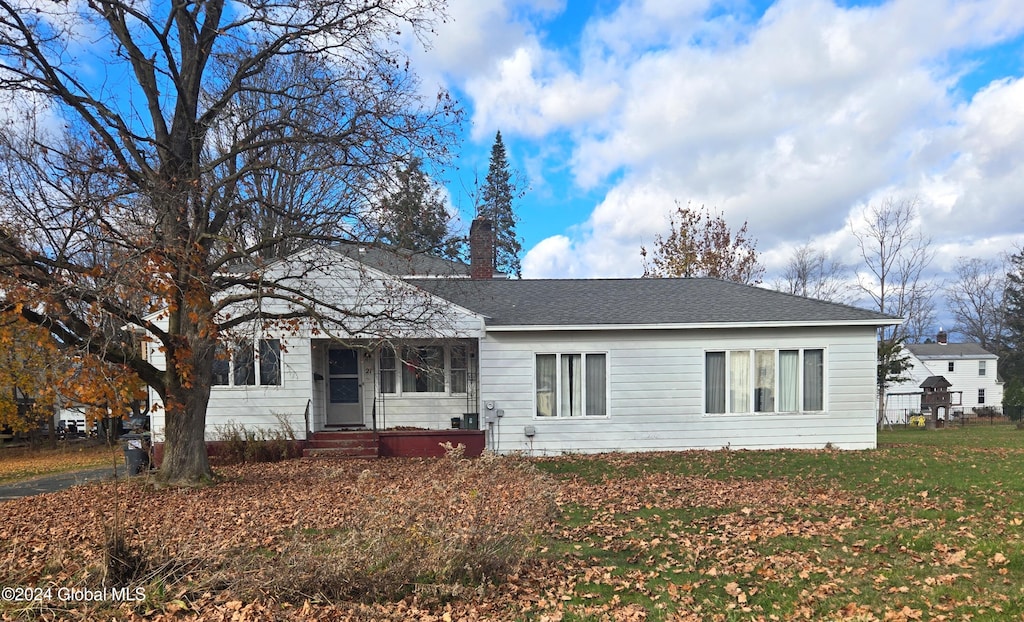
x: 343, y: 403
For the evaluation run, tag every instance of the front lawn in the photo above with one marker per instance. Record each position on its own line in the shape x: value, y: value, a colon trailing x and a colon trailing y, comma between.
x: 18, y: 463
x: 926, y: 527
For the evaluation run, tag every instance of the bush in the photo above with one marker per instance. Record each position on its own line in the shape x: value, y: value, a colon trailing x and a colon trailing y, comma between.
x: 458, y: 523
x: 238, y: 444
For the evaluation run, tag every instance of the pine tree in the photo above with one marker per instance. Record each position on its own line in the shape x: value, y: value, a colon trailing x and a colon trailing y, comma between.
x: 1012, y: 363
x: 413, y: 214
x: 496, y: 205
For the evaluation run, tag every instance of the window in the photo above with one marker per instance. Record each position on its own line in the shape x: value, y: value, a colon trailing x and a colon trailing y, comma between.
x: 459, y: 369
x: 981, y: 396
x: 270, y: 362
x: 243, y: 360
x: 238, y: 366
x: 424, y: 369
x: 572, y: 385
x: 981, y: 368
x: 743, y: 381
x: 388, y: 365
x: 950, y: 366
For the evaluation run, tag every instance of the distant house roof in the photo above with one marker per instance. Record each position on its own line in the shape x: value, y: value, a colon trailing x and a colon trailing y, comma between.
x: 936, y: 382
x: 401, y: 262
x: 932, y: 351
x: 633, y: 302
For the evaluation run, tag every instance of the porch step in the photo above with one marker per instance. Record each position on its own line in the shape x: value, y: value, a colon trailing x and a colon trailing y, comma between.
x: 339, y: 452
x: 339, y: 444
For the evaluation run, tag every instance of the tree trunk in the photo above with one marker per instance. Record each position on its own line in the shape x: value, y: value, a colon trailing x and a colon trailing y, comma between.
x: 186, y: 396
x: 185, y: 460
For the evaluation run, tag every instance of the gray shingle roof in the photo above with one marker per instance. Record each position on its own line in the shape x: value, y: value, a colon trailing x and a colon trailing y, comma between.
x: 932, y: 382
x: 972, y: 350
x: 401, y: 262
x: 583, y: 302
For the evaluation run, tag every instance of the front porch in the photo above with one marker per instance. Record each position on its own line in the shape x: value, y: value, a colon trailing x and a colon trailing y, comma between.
x: 391, y: 443
x: 422, y: 384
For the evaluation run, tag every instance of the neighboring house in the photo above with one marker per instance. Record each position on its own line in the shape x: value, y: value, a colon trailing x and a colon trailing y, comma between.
x: 970, y: 370
x: 553, y: 366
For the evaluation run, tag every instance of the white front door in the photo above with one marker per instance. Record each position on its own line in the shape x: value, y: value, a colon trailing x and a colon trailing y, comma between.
x: 344, y: 407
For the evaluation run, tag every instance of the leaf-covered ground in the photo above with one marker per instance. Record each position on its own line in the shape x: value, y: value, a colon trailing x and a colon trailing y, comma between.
x: 927, y: 527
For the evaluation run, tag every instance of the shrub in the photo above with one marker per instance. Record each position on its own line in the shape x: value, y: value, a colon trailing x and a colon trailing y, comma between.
x: 457, y: 523
x: 238, y: 444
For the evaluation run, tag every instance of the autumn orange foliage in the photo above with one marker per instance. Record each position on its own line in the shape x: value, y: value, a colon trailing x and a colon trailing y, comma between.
x: 37, y: 375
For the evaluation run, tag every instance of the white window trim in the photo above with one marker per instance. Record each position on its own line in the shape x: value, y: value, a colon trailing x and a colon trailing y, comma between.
x: 558, y: 385
x: 231, y: 386
x: 825, y: 393
x: 399, y: 389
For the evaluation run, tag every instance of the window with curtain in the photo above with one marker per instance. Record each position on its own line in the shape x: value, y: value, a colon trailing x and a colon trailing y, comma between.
x: 764, y: 381
x: 459, y: 369
x: 789, y: 381
x: 739, y: 381
x: 981, y: 368
x: 814, y: 380
x: 423, y: 370
x: 547, y: 384
x: 714, y: 382
x: 572, y: 385
x: 388, y: 366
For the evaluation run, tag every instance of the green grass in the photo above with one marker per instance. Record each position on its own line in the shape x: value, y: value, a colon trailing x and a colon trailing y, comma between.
x: 927, y: 525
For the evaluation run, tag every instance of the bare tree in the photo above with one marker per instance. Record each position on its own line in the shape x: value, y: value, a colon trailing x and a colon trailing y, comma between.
x: 895, y: 255
x: 976, y: 300
x: 217, y: 136
x: 813, y: 274
x: 701, y: 244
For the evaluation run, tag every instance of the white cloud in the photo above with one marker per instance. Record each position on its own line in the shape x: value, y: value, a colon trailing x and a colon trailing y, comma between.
x: 791, y: 123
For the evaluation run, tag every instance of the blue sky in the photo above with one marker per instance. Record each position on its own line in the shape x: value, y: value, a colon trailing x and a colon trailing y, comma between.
x: 791, y: 115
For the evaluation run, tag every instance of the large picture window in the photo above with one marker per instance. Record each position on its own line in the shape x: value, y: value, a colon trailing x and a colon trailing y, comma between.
x: 242, y: 365
x: 764, y: 381
x: 424, y: 369
x: 572, y: 385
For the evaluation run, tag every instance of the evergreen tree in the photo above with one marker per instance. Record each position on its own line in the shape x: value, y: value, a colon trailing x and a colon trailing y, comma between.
x: 413, y: 214
x: 1012, y: 363
x: 496, y: 205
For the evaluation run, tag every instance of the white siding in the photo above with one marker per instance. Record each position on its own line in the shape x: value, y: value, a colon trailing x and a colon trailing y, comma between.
x: 656, y: 396
x: 964, y: 378
x: 398, y: 310
x: 269, y: 408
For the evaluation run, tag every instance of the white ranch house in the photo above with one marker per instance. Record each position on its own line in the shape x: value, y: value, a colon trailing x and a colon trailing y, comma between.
x: 553, y: 366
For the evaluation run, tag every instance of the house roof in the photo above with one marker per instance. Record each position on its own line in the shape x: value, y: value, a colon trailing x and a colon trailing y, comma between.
x: 932, y: 351
x: 640, y: 302
x: 935, y: 382
x: 401, y: 262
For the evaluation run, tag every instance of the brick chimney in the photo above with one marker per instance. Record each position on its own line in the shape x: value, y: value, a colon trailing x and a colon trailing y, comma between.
x: 481, y: 249
x: 942, y: 337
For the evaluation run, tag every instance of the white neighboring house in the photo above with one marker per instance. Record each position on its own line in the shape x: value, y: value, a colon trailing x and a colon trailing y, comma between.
x: 552, y: 366
x: 970, y: 369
